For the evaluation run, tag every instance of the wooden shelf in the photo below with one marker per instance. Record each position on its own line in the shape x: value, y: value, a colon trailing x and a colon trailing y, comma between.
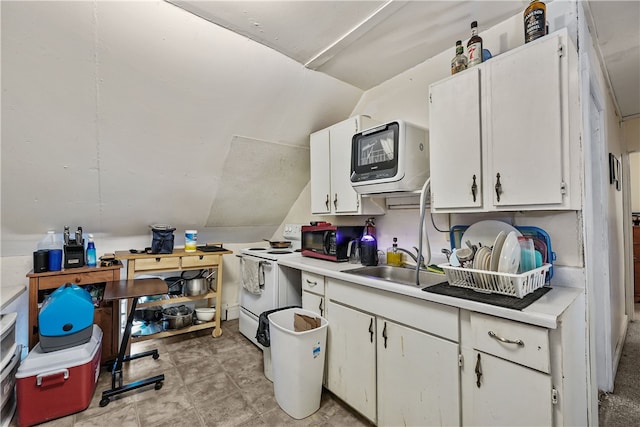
x: 173, y: 332
x: 173, y: 300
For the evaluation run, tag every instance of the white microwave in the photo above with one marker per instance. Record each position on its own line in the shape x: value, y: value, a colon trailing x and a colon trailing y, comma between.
x: 393, y: 157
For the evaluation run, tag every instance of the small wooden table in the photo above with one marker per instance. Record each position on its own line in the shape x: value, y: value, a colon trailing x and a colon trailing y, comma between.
x: 131, y: 289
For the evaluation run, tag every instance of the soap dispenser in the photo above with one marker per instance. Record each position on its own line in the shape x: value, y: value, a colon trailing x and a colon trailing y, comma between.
x: 394, y: 256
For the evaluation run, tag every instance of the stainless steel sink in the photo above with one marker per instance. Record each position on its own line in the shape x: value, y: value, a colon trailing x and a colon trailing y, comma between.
x: 401, y: 275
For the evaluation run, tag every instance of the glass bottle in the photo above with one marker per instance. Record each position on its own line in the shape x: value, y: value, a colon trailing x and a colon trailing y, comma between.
x: 460, y: 61
x: 394, y: 256
x: 474, y: 46
x: 535, y: 21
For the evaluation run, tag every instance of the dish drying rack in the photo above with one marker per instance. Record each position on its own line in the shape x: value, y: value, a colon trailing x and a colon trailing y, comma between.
x: 515, y: 285
x: 456, y: 232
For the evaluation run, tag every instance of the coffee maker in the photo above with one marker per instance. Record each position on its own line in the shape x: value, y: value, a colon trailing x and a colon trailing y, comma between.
x: 73, y: 249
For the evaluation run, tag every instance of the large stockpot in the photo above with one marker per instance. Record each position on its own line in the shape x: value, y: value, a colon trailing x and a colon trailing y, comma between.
x: 177, y: 317
x: 189, y: 285
x: 201, y: 284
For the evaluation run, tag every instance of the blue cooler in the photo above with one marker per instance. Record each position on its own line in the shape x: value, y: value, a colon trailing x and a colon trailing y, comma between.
x: 66, y: 318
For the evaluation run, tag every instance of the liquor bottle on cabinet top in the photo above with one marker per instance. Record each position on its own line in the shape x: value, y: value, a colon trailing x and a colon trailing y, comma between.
x: 535, y: 21
x: 459, y: 62
x: 474, y: 46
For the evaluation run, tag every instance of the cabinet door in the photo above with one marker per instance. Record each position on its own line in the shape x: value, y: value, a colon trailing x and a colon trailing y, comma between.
x: 343, y: 199
x: 313, y: 302
x: 418, y: 377
x: 351, y: 355
x: 524, y: 121
x: 455, y: 141
x: 509, y: 394
x: 320, y: 172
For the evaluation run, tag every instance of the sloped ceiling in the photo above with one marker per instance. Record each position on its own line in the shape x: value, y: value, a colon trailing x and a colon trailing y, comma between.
x: 365, y: 43
x: 117, y: 115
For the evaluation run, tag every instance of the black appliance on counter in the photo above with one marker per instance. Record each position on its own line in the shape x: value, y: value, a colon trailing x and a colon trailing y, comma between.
x: 73, y: 249
x: 325, y: 241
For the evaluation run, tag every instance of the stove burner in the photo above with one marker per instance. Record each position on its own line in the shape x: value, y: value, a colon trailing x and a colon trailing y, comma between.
x: 279, y: 252
x: 257, y: 249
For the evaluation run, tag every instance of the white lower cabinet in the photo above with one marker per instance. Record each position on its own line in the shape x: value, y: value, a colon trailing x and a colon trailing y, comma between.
x: 351, y: 358
x: 417, y: 377
x: 383, y: 366
x: 497, y: 392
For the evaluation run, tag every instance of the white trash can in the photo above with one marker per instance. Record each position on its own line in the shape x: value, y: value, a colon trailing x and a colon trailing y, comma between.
x: 297, y: 362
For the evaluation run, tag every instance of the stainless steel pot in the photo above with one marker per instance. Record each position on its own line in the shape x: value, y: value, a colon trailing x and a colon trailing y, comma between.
x: 199, y: 285
x: 177, y: 317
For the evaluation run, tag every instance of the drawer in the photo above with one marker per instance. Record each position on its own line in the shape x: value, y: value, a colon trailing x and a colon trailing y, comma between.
x: 56, y: 281
x: 524, y: 344
x: 200, y: 261
x: 156, y: 263
x: 313, y: 283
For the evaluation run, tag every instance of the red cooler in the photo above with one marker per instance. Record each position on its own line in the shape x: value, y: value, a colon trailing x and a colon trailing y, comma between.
x: 59, y: 383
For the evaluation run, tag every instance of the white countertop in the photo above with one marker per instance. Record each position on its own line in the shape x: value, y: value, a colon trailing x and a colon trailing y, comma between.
x: 10, y: 293
x: 543, y: 312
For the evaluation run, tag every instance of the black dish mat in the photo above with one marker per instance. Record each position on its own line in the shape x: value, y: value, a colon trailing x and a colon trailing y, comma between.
x: 506, y: 301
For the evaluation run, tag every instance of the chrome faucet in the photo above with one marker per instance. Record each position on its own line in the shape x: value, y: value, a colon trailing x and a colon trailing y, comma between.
x: 414, y: 257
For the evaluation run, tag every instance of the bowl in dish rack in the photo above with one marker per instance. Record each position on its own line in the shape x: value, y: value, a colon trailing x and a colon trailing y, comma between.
x: 205, y: 314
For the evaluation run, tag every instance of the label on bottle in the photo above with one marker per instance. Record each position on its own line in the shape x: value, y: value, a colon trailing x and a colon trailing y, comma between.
x: 475, y: 53
x: 534, y: 25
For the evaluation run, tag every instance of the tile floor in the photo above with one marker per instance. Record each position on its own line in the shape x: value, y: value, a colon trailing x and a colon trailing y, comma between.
x: 208, y: 382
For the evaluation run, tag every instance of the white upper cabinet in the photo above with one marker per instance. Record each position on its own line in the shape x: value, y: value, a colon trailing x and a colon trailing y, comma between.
x: 501, y: 132
x: 331, y: 191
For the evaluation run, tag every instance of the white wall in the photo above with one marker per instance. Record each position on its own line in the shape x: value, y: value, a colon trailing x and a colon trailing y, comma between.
x: 117, y: 115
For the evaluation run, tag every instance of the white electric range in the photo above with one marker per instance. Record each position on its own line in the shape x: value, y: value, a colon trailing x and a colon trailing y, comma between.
x: 279, y: 286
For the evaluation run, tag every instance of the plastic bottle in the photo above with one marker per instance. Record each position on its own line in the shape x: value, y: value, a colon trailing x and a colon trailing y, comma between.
x: 394, y: 257
x: 91, y: 252
x: 54, y: 246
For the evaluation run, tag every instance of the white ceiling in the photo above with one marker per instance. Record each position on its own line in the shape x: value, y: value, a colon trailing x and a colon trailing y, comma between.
x: 365, y: 43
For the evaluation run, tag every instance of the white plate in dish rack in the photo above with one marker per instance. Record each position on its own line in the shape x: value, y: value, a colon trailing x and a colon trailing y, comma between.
x: 485, y: 232
x: 497, y: 249
x: 510, y: 255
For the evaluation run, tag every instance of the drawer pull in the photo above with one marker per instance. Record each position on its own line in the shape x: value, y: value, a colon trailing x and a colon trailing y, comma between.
x: 77, y: 279
x: 158, y: 259
x: 505, y: 340
x: 311, y: 283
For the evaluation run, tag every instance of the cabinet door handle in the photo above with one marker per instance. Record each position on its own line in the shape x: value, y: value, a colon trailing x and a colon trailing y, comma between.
x: 478, y: 371
x: 320, y: 307
x: 371, y: 329
x: 326, y: 202
x: 506, y: 340
x: 384, y: 334
x: 335, y: 201
x: 474, y: 188
x: 498, y: 186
